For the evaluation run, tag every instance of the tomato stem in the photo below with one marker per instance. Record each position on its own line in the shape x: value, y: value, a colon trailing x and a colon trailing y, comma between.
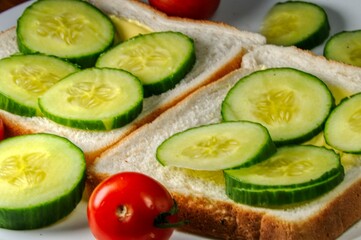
x: 161, y: 221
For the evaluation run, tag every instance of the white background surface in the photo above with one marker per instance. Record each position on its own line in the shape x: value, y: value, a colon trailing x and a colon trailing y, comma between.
x: 243, y: 14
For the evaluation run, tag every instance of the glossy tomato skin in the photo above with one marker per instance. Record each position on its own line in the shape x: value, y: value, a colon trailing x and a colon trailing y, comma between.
x: 196, y: 9
x: 2, y: 131
x: 125, y: 205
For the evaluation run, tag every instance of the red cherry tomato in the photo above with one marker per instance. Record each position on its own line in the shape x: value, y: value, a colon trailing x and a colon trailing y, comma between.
x: 125, y: 206
x: 2, y: 131
x: 197, y: 9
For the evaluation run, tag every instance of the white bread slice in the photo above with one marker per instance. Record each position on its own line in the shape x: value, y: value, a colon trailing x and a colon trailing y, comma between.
x: 219, y: 49
x: 201, y: 196
x: 335, y: 74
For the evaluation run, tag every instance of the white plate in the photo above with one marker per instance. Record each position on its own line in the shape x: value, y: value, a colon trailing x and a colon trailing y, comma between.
x: 243, y: 14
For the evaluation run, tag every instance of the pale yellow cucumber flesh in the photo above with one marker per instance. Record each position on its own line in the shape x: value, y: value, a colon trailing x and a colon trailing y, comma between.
x: 302, y: 24
x: 24, y: 78
x: 291, y: 104
x: 216, y: 147
x: 290, y: 165
x: 65, y: 28
x: 150, y: 57
x: 42, y: 178
x: 345, y: 47
x: 343, y: 127
x: 94, y: 95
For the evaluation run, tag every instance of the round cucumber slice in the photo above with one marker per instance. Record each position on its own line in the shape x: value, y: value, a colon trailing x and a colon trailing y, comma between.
x: 291, y: 104
x: 298, y: 23
x: 344, y: 47
x: 159, y: 59
x: 343, y: 127
x: 42, y: 178
x: 281, y: 197
x: 74, y: 30
x: 217, y: 146
x: 24, y: 78
x: 293, y: 174
x: 94, y: 99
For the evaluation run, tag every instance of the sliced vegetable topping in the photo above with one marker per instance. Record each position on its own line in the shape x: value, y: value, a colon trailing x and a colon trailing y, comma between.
x: 294, y: 174
x: 74, y: 30
x: 24, y: 78
x: 291, y: 104
x: 42, y: 178
x: 343, y: 127
x: 95, y: 99
x: 217, y: 146
x: 345, y: 47
x: 160, y: 59
x: 298, y: 23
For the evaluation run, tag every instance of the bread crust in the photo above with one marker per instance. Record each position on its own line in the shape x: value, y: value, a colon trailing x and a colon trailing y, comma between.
x: 228, y: 220
x: 329, y: 223
x: 217, y: 219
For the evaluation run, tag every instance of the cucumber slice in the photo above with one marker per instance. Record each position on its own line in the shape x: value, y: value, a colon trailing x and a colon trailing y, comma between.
x: 343, y: 127
x: 298, y: 23
x: 284, y: 196
x: 291, y: 104
x: 74, y: 30
x: 42, y: 178
x: 294, y: 174
x: 24, y: 78
x: 160, y: 59
x: 344, y: 47
x: 94, y: 99
x: 217, y: 146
